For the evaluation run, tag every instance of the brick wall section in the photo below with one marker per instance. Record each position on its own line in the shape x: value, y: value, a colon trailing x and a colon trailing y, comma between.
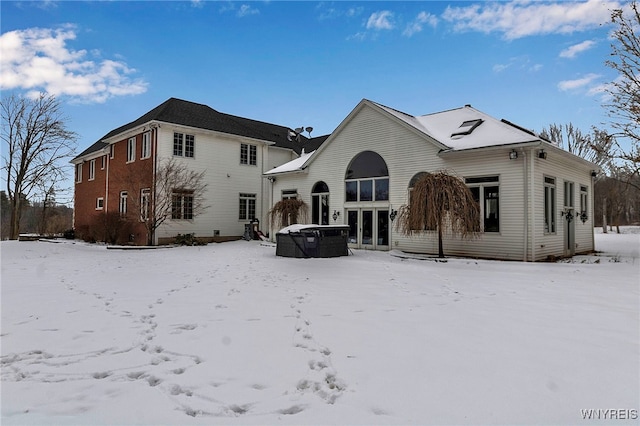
x: 122, y: 176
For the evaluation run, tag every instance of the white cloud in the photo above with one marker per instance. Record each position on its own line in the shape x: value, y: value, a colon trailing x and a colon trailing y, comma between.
x: 246, y: 10
x: 416, y: 25
x: 572, y: 51
x: 382, y: 20
x: 579, y: 83
x: 524, y: 18
x: 519, y: 62
x: 38, y: 59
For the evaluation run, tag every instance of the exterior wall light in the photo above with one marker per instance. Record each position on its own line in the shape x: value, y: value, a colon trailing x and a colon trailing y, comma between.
x: 513, y: 155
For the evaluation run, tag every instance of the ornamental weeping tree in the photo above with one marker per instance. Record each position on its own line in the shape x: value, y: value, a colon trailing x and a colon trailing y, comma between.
x: 287, y: 212
x: 440, y: 202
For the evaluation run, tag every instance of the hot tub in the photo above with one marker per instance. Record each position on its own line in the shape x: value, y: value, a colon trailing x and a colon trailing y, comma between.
x: 312, y: 241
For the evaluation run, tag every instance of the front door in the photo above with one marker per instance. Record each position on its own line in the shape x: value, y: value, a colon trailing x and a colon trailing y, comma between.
x: 368, y: 228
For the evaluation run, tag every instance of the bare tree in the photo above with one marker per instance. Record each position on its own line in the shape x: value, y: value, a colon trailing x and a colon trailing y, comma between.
x: 596, y: 147
x: 442, y: 202
x: 38, y: 143
x: 177, y: 192
x: 288, y: 212
x: 624, y: 107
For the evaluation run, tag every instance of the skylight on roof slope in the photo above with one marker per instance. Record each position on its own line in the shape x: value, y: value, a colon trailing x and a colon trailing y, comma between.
x: 467, y: 127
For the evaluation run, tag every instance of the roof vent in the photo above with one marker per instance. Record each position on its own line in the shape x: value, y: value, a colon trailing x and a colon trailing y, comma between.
x: 467, y: 127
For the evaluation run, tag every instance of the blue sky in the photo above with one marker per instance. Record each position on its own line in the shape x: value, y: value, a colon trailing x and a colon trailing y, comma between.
x: 310, y: 63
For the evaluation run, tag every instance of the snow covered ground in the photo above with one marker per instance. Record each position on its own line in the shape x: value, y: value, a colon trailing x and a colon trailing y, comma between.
x: 231, y: 334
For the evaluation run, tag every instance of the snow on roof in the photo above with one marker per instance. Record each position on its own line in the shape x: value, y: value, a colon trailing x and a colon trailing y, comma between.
x: 291, y: 166
x: 445, y: 128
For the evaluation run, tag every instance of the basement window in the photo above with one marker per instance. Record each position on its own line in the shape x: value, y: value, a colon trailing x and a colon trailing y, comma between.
x: 467, y: 127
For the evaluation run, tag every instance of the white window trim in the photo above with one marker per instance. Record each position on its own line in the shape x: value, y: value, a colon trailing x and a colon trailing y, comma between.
x: 145, y: 203
x: 146, y: 146
x: 553, y: 209
x: 104, y: 162
x: 250, y: 160
x: 248, y: 197
x: 99, y: 203
x: 131, y: 150
x: 92, y: 169
x: 183, y: 145
x: 78, y: 173
x: 122, y: 207
x: 490, y: 181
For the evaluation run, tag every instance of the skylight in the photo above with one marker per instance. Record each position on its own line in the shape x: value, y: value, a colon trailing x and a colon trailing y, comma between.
x: 467, y: 127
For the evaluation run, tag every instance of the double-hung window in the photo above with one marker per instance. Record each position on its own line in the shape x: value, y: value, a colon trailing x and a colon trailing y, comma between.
x: 146, y: 146
x: 78, y: 173
x: 92, y: 169
x: 145, y: 202
x: 247, y: 209
x: 549, y: 205
x: 486, y: 192
x: 184, y: 145
x: 123, y: 203
x: 182, y: 205
x: 248, y: 154
x: 584, y: 202
x: 131, y: 150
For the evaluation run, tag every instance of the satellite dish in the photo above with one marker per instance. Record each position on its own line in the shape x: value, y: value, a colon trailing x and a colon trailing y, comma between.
x: 309, y: 130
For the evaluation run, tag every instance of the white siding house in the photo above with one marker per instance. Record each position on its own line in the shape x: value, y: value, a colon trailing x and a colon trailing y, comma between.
x: 536, y: 199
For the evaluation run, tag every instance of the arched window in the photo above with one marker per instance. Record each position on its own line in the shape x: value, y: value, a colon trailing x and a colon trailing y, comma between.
x: 320, y: 204
x: 367, y: 178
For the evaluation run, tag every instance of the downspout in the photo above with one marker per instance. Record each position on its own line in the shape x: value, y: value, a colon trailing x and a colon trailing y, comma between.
x: 532, y: 206
x: 265, y: 154
x: 106, y: 183
x: 152, y: 207
x: 592, y: 211
x: 526, y: 206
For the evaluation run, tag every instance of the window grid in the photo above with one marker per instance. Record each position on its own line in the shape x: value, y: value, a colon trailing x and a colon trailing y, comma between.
x: 367, y: 190
x: 78, y: 173
x: 189, y: 146
x: 247, y: 206
x: 182, y: 205
x: 177, y: 144
x: 131, y: 150
x: 584, y: 200
x: 549, y: 205
x: 123, y: 203
x: 145, y: 198
x: 146, y: 145
x: 486, y: 193
x: 248, y: 154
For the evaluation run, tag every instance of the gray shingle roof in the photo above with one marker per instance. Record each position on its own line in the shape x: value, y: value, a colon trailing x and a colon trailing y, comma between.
x: 178, y: 111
